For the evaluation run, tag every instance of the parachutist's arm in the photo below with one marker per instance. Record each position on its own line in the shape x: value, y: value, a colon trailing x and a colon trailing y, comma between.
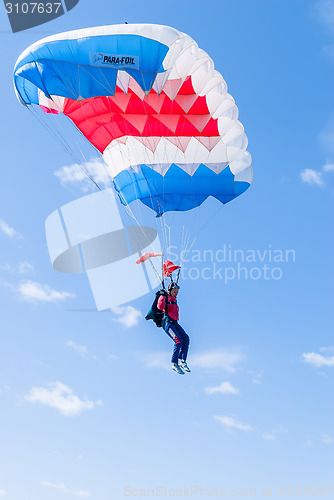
x: 161, y: 303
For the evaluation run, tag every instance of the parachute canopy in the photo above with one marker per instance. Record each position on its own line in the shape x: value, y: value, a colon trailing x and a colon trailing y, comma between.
x: 169, y: 268
x: 146, y: 256
x: 149, y: 99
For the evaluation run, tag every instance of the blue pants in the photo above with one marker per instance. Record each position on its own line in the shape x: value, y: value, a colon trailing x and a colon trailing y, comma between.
x: 181, y: 340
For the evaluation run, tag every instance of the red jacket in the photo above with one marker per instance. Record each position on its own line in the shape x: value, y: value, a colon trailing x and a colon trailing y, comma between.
x: 172, y: 309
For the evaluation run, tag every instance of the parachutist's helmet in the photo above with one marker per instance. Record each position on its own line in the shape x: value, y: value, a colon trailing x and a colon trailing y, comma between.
x: 172, y: 286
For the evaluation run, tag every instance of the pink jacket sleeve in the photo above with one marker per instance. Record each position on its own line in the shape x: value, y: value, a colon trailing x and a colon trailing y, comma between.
x: 161, y: 303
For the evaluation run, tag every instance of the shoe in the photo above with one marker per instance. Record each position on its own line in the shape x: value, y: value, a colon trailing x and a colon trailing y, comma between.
x: 184, y: 366
x: 177, y: 369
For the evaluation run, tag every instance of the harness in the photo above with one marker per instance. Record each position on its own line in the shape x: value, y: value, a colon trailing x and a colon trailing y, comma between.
x: 166, y: 317
x: 159, y: 317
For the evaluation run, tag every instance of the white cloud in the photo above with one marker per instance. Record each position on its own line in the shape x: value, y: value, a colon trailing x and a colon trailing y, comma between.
x: 80, y: 349
x: 324, y: 9
x: 212, y: 360
x: 76, y: 175
x: 223, y: 388
x: 308, y: 442
x: 128, y: 316
x: 271, y: 436
x: 71, y: 491
x: 257, y: 376
x: 313, y: 177
x: 157, y: 359
x: 327, y: 439
x: 268, y: 436
x: 218, y: 359
x: 22, y: 268
x: 2, y: 493
x: 328, y: 167
x: 316, y: 177
x: 25, y: 267
x: 318, y: 360
x: 62, y: 398
x: 327, y: 349
x: 230, y: 423
x: 113, y: 356
x: 9, y: 231
x: 32, y: 291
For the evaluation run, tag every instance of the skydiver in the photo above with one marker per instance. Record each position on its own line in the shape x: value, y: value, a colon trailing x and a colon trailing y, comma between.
x: 174, y: 330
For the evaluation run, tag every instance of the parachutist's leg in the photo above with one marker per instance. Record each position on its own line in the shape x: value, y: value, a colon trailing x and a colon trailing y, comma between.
x: 170, y: 329
x: 184, y: 337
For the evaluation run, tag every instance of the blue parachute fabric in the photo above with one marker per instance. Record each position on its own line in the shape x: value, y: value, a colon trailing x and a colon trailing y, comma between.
x: 176, y: 190
x: 50, y: 66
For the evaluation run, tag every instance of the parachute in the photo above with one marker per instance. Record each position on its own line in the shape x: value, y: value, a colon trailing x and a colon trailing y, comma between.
x: 169, y: 267
x: 151, y: 102
x: 146, y: 256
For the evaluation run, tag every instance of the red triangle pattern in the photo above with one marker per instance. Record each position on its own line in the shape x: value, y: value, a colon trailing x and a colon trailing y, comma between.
x: 180, y: 142
x: 149, y: 142
x: 104, y: 119
x: 209, y: 142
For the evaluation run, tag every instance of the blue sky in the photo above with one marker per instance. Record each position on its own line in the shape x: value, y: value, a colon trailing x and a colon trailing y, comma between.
x: 89, y: 405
